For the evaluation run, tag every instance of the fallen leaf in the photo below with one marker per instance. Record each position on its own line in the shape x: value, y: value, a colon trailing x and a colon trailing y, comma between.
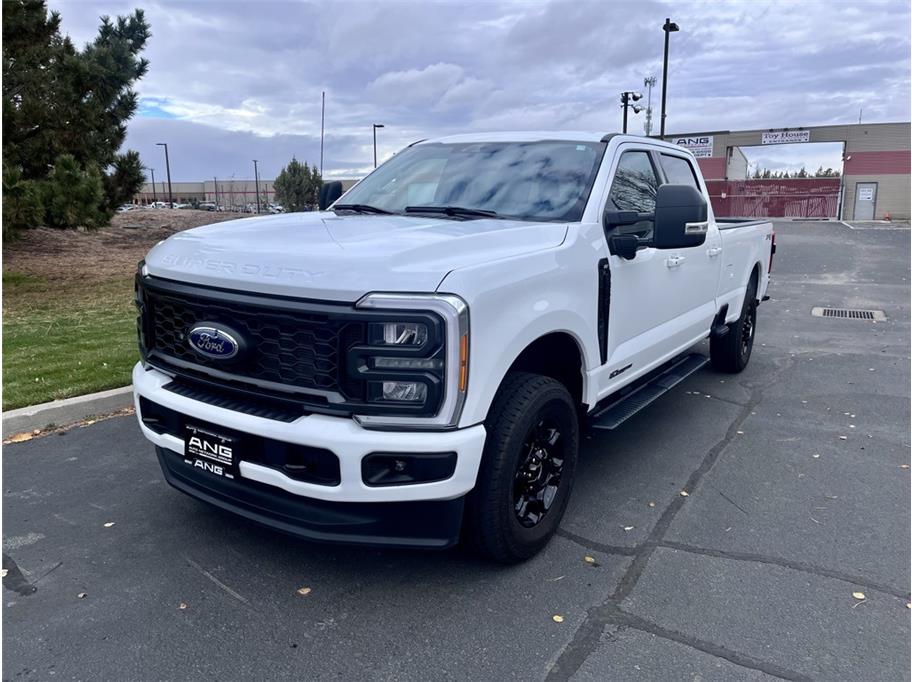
x: 740, y: 433
x: 82, y: 595
x: 20, y: 438
x: 109, y: 524
x: 589, y: 559
x: 304, y: 591
x: 816, y: 455
x: 909, y: 604
x: 843, y: 438
x: 36, y: 432
x: 3, y: 573
x: 557, y: 619
x: 652, y: 504
x: 182, y: 606
x: 858, y: 595
x: 684, y: 493
x: 903, y: 466
x: 628, y: 528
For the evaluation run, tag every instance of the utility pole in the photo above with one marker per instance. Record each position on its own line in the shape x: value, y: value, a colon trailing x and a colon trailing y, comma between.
x: 256, y: 183
x: 648, y: 82
x: 215, y: 189
x: 669, y: 27
x: 154, y: 193
x: 376, y: 125
x: 168, y: 168
x: 322, y: 129
x: 626, y: 98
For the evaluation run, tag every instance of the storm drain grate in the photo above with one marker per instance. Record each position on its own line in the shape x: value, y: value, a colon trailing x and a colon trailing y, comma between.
x: 849, y: 314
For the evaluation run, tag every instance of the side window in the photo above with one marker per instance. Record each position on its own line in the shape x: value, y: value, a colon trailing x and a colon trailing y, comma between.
x: 679, y: 171
x: 634, y: 189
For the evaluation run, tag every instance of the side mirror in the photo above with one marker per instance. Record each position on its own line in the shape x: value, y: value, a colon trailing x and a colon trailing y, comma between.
x: 613, y: 218
x: 680, y: 217
x: 329, y: 192
x: 623, y: 245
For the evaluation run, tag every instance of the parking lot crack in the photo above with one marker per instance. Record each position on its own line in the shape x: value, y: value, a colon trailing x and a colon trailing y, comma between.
x: 588, y: 636
x: 239, y: 597
x: 597, y: 546
x: 856, y: 580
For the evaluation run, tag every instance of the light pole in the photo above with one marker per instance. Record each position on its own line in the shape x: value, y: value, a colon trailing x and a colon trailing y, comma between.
x: 669, y: 27
x: 168, y: 168
x: 376, y: 125
x: 256, y: 184
x: 626, y: 99
x: 215, y: 191
x: 154, y: 193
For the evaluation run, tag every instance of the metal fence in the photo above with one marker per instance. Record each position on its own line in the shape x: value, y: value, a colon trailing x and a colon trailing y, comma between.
x: 783, y: 198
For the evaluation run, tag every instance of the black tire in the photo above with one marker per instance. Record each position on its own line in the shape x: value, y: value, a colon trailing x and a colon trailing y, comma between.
x: 517, y: 505
x: 732, y: 352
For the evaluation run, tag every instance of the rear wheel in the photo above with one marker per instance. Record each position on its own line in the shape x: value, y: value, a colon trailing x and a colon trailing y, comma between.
x: 732, y: 352
x: 526, y: 471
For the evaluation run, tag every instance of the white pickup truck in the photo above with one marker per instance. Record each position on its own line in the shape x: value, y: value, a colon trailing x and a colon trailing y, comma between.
x: 413, y: 365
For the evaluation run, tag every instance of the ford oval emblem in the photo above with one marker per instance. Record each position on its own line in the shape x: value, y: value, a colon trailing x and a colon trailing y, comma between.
x: 213, y: 342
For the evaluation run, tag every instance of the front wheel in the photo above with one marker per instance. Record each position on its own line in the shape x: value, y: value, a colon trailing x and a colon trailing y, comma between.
x: 526, y: 470
x: 732, y: 352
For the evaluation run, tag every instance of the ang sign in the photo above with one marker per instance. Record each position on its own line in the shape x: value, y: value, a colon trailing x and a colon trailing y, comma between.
x: 700, y: 146
x: 787, y: 137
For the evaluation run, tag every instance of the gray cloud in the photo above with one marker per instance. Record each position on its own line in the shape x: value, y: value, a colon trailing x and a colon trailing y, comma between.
x: 243, y: 80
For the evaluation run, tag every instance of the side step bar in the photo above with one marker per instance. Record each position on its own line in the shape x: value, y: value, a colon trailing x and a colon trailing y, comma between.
x: 624, y: 407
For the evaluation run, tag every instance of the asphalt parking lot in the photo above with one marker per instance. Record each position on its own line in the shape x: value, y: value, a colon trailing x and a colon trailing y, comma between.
x: 796, y: 499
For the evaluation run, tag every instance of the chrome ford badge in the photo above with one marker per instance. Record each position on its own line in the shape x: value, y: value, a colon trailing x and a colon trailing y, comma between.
x: 212, y: 342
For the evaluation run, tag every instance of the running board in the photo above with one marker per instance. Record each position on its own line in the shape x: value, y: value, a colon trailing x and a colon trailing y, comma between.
x: 620, y: 410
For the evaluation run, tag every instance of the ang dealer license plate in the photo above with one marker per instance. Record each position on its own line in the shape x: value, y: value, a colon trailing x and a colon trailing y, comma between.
x: 212, y: 452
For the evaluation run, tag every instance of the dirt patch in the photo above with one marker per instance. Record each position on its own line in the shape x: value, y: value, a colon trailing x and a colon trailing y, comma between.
x: 71, y: 255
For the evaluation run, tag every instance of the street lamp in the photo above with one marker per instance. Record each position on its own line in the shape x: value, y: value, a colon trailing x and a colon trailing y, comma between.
x: 376, y: 125
x: 168, y: 167
x: 256, y: 184
x: 626, y: 99
x: 154, y: 193
x: 669, y: 27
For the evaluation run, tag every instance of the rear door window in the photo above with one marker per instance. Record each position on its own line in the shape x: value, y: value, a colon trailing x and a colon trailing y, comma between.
x: 678, y: 171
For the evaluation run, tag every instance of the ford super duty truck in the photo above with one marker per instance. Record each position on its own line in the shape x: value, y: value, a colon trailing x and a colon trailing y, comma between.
x: 413, y: 365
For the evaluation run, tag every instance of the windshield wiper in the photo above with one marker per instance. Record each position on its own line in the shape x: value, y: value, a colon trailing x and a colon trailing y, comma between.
x: 458, y: 211
x: 361, y: 208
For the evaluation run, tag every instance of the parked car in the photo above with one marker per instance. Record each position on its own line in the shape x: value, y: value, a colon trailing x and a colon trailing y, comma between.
x: 207, y: 206
x: 124, y: 208
x: 412, y: 366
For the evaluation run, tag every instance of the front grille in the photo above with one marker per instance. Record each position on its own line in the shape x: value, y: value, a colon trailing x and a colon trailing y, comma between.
x: 289, y: 346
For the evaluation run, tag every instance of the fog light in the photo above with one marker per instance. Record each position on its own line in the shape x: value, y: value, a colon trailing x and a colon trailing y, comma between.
x: 382, y: 468
x: 403, y: 391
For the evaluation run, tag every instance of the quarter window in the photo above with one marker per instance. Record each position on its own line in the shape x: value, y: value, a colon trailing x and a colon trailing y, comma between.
x: 679, y: 171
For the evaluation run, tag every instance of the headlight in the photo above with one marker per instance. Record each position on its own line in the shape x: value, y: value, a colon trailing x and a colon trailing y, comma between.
x: 410, y: 363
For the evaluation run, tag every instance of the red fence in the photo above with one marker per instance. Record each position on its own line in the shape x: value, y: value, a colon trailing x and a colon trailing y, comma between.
x: 790, y: 198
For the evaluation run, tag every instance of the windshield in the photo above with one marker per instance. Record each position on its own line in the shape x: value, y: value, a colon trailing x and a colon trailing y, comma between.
x: 538, y: 181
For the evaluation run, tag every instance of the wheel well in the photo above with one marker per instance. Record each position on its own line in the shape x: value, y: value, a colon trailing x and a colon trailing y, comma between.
x: 555, y: 355
x: 755, y: 277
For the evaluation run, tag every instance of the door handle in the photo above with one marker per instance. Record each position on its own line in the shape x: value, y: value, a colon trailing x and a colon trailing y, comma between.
x: 714, y: 251
x: 674, y: 261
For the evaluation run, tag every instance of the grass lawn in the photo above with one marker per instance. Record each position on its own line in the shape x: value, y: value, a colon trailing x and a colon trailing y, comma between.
x: 63, y: 341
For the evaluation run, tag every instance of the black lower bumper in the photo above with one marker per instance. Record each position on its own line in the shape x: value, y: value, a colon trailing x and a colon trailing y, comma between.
x: 427, y: 524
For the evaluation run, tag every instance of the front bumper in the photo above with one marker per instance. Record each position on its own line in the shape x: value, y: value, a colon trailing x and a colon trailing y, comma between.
x: 349, y: 441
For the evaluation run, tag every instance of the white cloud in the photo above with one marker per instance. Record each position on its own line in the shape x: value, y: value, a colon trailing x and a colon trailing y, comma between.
x: 249, y: 75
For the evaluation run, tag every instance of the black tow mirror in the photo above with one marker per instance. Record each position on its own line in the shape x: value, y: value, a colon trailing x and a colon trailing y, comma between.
x: 623, y: 245
x: 680, y: 217
x: 613, y: 218
x: 329, y: 192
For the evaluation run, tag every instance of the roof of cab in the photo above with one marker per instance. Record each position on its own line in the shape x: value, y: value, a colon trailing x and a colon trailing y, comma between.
x: 541, y: 135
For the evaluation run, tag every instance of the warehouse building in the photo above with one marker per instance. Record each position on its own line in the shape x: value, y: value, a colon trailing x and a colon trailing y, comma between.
x: 229, y: 194
x: 875, y: 181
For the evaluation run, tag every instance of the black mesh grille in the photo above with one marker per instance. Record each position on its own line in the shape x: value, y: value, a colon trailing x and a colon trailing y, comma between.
x: 296, y: 348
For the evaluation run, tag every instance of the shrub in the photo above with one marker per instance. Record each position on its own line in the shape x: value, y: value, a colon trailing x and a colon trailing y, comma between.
x: 22, y: 207
x: 73, y: 197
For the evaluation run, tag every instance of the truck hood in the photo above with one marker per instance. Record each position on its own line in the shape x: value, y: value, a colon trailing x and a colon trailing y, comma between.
x: 341, y: 257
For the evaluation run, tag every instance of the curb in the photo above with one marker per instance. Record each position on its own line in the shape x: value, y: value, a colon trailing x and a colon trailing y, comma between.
x: 62, y: 412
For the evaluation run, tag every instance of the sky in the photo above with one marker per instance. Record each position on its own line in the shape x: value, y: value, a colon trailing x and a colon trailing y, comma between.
x: 234, y: 81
